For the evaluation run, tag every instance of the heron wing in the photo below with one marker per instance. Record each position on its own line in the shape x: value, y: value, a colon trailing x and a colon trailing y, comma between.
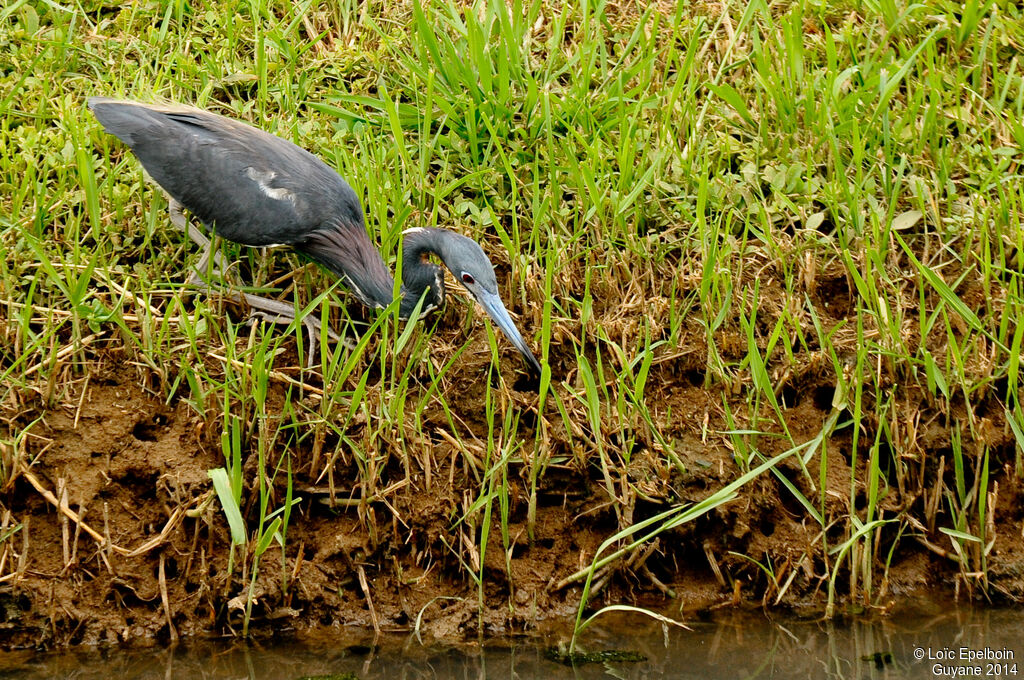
x: 252, y: 187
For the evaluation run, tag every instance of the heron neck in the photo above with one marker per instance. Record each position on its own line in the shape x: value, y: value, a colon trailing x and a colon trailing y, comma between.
x: 348, y: 253
x: 419, y: 275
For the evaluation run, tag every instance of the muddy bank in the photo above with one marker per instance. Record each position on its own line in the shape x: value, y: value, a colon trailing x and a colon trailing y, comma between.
x: 119, y: 535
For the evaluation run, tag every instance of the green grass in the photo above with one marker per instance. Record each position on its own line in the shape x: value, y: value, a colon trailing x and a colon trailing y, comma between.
x: 764, y: 204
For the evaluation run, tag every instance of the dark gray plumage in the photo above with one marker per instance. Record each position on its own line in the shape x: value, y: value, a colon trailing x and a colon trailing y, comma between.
x: 257, y: 189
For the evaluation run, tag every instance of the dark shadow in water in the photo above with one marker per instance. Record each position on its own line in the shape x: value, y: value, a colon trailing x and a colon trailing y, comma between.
x: 929, y: 642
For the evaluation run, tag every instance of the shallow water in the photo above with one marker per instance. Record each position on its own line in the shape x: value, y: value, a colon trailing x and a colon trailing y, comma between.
x: 925, y: 641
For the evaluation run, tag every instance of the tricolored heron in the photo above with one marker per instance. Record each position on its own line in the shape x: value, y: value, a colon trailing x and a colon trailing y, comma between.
x: 257, y: 189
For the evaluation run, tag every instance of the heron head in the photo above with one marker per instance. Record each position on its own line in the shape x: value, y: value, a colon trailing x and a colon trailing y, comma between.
x: 469, y: 264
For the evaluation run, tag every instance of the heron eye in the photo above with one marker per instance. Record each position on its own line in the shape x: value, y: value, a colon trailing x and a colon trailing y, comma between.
x: 468, y: 279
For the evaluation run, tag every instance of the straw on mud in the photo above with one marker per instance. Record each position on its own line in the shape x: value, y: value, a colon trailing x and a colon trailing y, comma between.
x: 66, y: 511
x: 62, y: 496
x: 316, y: 392
x: 23, y: 557
x: 171, y: 524
x: 716, y: 570
x: 166, y: 601
x: 940, y: 551
x: 78, y: 532
x: 81, y: 400
x: 61, y: 354
x: 365, y: 586
x: 104, y: 554
x: 299, y: 559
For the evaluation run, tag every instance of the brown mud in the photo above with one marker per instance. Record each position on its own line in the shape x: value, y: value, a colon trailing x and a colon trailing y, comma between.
x: 122, y: 537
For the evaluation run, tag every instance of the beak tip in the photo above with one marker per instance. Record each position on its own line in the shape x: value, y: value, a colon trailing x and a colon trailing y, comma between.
x: 535, y: 365
x: 532, y: 363
x: 496, y: 310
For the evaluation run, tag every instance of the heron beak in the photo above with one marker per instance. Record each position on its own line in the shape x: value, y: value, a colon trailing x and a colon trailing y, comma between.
x: 492, y: 304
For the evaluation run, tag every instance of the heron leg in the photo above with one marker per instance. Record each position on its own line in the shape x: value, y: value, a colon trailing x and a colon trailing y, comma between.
x: 199, y: 238
x: 274, y: 311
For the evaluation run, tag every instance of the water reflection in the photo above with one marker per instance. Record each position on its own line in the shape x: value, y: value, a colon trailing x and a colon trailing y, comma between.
x: 931, y: 641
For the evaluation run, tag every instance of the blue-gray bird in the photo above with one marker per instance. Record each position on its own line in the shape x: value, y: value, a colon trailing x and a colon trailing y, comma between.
x: 257, y: 189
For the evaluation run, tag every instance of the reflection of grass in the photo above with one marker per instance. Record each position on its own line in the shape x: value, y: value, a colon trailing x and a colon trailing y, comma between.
x: 812, y: 217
